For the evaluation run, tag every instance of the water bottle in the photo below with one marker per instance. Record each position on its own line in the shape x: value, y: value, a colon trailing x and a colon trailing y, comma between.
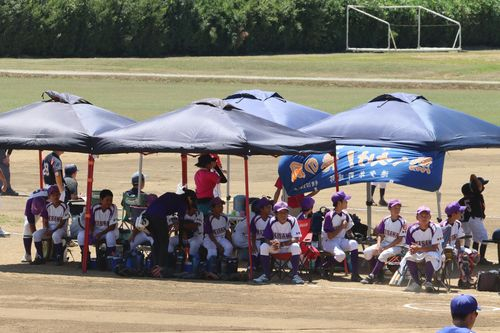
x: 179, y: 263
x: 223, y: 266
x: 139, y: 261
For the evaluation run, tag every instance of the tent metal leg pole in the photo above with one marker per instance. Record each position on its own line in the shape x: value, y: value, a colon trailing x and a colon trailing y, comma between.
x: 438, y: 200
x: 369, y: 207
x: 247, y: 210
x: 40, y: 167
x: 88, y: 210
x: 140, y: 179
x: 184, y: 169
x: 228, y: 184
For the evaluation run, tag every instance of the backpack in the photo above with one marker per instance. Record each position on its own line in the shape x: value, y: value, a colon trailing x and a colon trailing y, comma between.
x: 488, y: 281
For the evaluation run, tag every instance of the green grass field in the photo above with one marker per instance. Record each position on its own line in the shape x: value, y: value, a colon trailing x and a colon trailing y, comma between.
x: 144, y: 99
x: 477, y: 65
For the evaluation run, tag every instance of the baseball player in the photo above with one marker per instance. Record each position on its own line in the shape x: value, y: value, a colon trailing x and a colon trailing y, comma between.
x: 258, y: 224
x: 337, y: 224
x: 70, y: 172
x: 477, y: 216
x: 130, y: 197
x: 191, y: 230
x: 424, y: 239
x: 466, y: 257
x: 282, y: 235
x: 52, y: 171
x: 103, y: 224
x: 155, y: 221
x: 217, y: 234
x: 55, y: 224
x: 390, y: 235
x: 465, y: 201
x: 34, y: 207
x: 307, y: 206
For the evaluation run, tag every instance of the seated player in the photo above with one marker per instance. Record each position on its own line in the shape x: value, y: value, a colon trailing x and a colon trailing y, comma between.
x: 103, y: 224
x: 55, y: 225
x: 258, y: 224
x: 424, y: 240
x: 466, y: 257
x: 35, y: 205
x: 307, y: 206
x: 217, y: 234
x: 191, y: 230
x: 337, y: 224
x: 390, y: 235
x: 282, y: 235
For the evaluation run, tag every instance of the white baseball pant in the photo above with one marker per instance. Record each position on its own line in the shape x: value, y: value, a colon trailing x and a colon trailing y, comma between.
x: 57, y: 235
x: 139, y: 239
x: 212, y: 249
x: 194, y: 244
x: 433, y: 256
x: 468, y: 232
x: 337, y: 247
x: 27, y: 229
x: 371, y: 251
x: 266, y: 249
x: 111, y: 237
x: 479, y: 232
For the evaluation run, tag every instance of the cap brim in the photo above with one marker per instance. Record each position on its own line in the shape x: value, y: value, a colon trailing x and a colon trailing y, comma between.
x: 347, y: 197
x: 280, y: 209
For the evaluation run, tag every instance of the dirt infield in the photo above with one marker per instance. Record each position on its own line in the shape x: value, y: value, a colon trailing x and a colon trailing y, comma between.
x: 62, y: 299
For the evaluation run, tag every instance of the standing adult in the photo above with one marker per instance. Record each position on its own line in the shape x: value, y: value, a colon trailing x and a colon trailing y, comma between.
x: 3, y: 188
x: 477, y: 216
x: 70, y: 171
x: 52, y: 171
x: 464, y: 310
x: 206, y: 180
x: 5, y: 168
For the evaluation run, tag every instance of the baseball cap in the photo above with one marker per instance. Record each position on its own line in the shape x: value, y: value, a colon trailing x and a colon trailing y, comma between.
x: 70, y: 169
x: 423, y: 209
x: 393, y: 203
x: 204, y: 159
x: 38, y: 205
x: 263, y: 202
x: 482, y: 180
x: 307, y: 203
x: 53, y: 189
x: 463, y: 305
x: 340, y: 196
x: 279, y: 206
x: 217, y: 201
x: 454, y: 207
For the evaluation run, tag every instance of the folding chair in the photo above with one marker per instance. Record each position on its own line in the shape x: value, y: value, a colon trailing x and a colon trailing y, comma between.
x: 129, y: 201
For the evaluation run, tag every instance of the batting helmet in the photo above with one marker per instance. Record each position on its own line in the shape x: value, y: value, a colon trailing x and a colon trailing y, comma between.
x: 135, y: 178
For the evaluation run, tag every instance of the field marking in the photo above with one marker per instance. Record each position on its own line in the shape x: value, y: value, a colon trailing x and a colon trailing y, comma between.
x: 443, y: 307
x: 245, y: 78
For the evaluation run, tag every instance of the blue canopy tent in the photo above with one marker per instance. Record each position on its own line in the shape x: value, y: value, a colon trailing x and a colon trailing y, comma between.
x: 408, y: 122
x: 63, y: 122
x: 212, y: 126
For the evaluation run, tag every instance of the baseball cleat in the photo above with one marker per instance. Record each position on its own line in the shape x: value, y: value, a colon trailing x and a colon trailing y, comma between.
x: 4, y: 233
x: 370, y: 279
x: 429, y: 288
x: 38, y: 261
x: 261, y: 279
x: 413, y: 287
x: 297, y: 279
x: 382, y: 202
x: 59, y: 261
x: 26, y: 258
x: 355, y: 278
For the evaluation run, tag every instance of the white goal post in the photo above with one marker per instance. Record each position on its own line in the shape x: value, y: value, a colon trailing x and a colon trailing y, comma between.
x: 391, y: 43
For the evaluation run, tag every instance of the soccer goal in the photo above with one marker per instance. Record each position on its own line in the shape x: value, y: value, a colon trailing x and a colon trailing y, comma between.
x: 444, y: 21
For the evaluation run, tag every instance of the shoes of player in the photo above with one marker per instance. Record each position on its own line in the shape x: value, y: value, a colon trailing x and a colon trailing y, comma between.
x: 413, y: 287
x: 356, y: 278
x: 370, y: 279
x: 26, y: 258
x: 10, y: 192
x: 297, y: 279
x: 59, y: 260
x: 370, y: 203
x: 38, y: 261
x: 382, y: 202
x: 4, y: 233
x: 484, y: 262
x: 463, y: 284
x: 261, y: 279
x: 429, y: 287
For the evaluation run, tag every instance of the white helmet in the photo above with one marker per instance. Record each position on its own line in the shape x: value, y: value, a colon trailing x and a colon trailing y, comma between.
x: 141, y: 222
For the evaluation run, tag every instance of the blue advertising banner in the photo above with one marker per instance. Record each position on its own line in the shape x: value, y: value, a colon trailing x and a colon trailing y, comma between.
x: 422, y: 170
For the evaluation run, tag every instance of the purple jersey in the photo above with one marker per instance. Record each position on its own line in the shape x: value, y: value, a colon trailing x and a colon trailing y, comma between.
x: 28, y: 212
x: 167, y: 204
x: 391, y: 229
x: 282, y: 231
x: 428, y: 237
x: 217, y: 225
x: 258, y: 225
x: 334, y: 220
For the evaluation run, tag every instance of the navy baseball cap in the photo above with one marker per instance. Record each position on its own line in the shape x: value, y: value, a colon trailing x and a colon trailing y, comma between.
x: 462, y: 305
x: 340, y: 196
x: 280, y: 205
x: 482, y: 180
x: 454, y: 207
x: 263, y: 202
x: 217, y: 201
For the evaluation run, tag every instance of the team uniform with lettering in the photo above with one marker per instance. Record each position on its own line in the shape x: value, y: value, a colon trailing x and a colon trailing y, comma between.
x: 217, y: 226
x: 54, y: 215
x: 391, y: 231
x: 430, y: 236
x: 257, y: 227
x: 283, y: 232
x: 337, y: 245
x: 195, y: 240
x: 101, y: 219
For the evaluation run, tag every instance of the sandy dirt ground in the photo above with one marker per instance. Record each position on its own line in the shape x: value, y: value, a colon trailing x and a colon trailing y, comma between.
x: 61, y: 299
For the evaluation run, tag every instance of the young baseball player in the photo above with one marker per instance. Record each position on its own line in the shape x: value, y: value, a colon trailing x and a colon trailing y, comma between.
x: 390, y: 235
x: 34, y: 207
x: 476, y: 220
x: 424, y: 239
x: 191, y: 230
x: 282, y: 235
x: 258, y: 225
x: 55, y: 219
x: 337, y: 224
x: 103, y: 224
x: 465, y: 201
x: 466, y: 257
x: 217, y: 234
x: 307, y: 206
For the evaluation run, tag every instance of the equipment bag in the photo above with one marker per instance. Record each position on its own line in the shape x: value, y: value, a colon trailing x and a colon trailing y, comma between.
x: 488, y: 281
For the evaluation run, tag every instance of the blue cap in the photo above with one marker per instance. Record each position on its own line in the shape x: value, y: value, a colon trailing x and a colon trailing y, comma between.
x: 454, y: 207
x: 307, y: 203
x: 340, y: 196
x: 263, y: 202
x: 463, y: 305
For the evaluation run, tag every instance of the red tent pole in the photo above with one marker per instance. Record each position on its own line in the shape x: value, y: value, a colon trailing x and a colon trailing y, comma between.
x: 247, y: 210
x: 40, y: 166
x: 336, y: 172
x: 88, y: 207
x: 184, y: 169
